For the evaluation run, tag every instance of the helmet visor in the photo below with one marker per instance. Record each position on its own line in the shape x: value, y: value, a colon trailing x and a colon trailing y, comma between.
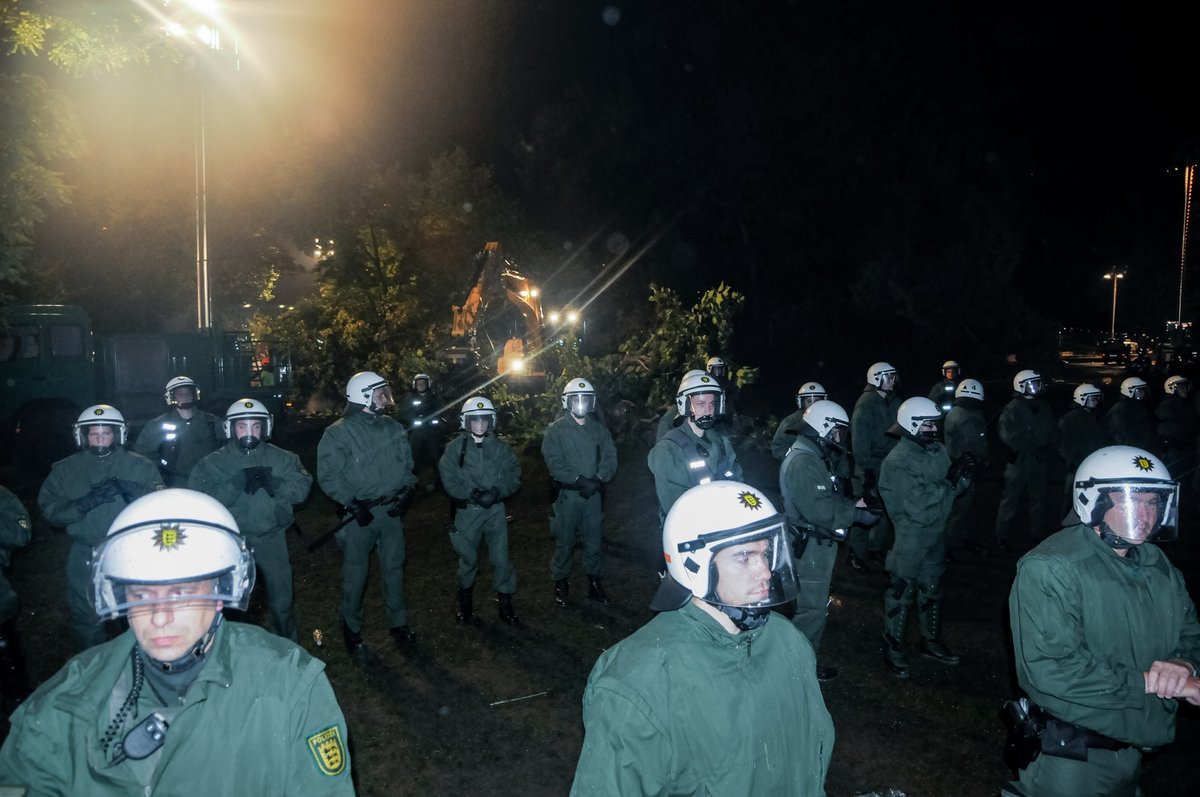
x: 1140, y: 513
x: 581, y: 404
x: 751, y: 567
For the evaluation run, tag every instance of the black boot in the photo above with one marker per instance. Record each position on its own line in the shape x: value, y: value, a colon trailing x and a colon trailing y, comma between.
x: 466, y: 604
x: 596, y: 590
x: 404, y: 636
x: 14, y: 683
x: 562, y: 588
x: 506, y: 608
x: 354, y: 641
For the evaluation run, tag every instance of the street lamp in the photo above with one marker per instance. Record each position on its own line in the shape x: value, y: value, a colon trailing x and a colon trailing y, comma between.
x: 1114, y: 276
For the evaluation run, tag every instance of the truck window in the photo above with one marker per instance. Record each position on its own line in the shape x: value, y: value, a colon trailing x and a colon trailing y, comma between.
x: 19, y: 343
x: 66, y: 341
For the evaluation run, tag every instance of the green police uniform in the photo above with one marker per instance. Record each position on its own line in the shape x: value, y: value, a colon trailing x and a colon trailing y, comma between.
x: 681, y: 460
x: 1177, y: 428
x: 467, y: 466
x: 1086, y: 624
x: 1027, y: 427
x: 175, y: 444
x: 668, y: 711
x: 363, y: 456
x: 262, y: 516
x: 965, y: 432
x: 785, y: 434
x: 1128, y: 423
x: 873, y: 415
x: 913, y: 484
x: 813, y: 499
x: 259, y: 719
x: 572, y: 450
x: 70, y: 480
x: 15, y: 531
x: 942, y: 394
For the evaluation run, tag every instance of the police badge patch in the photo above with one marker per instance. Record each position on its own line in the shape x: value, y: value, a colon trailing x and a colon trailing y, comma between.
x: 169, y: 537
x: 328, y: 750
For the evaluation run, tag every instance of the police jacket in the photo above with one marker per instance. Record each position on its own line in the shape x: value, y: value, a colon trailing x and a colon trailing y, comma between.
x: 1027, y: 427
x: 812, y: 488
x: 259, y: 719
x: 873, y: 415
x: 72, y: 478
x: 913, y: 485
x: 681, y: 460
x: 420, y: 410
x: 364, y: 456
x: 966, y: 431
x: 572, y: 450
x: 789, y: 428
x: 175, y: 445
x: 465, y: 466
x: 221, y: 475
x: 683, y: 707
x: 1128, y: 423
x: 1176, y: 422
x: 942, y: 394
x: 1087, y: 623
x: 1079, y: 434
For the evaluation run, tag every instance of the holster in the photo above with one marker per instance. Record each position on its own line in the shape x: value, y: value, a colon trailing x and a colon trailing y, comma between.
x: 1024, y: 741
x: 799, y: 537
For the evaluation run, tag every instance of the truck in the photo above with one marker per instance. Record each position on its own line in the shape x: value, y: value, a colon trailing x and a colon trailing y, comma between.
x: 53, y: 364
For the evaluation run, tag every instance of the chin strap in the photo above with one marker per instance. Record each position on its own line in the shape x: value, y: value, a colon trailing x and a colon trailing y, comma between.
x: 744, y: 617
x: 195, y: 655
x: 1112, y: 539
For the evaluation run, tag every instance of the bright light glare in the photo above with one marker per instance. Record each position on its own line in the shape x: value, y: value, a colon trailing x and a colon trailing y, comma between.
x: 516, y: 366
x: 174, y: 29
x: 572, y: 317
x: 554, y: 317
x: 208, y: 8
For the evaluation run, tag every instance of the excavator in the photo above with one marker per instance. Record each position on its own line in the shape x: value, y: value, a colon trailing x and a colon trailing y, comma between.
x: 499, y: 326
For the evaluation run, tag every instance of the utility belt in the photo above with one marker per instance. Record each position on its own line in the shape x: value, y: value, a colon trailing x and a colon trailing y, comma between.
x: 1032, y: 731
x: 556, y: 487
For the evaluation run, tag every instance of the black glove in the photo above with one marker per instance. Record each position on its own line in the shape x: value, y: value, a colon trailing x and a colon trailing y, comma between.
x: 588, y: 486
x: 865, y: 517
x: 130, y: 491
x: 401, y: 501
x: 488, y: 497
x: 476, y: 494
x: 100, y: 493
x: 961, y: 470
x: 252, y: 480
x: 362, y: 511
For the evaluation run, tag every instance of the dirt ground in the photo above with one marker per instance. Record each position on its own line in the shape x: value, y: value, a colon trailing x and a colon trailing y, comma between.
x: 435, y: 720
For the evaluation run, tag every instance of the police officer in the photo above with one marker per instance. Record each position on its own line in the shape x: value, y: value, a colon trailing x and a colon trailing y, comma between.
x: 365, y: 465
x: 694, y: 452
x: 259, y: 483
x: 1104, y: 631
x: 1128, y: 422
x: 1177, y: 424
x: 718, y: 369
x: 1080, y: 433
x: 581, y: 459
x: 182, y: 436
x: 15, y: 531
x: 715, y: 695
x: 820, y: 512
x: 83, y: 493
x: 944, y: 392
x: 792, y: 425
x: 873, y: 415
x: 421, y: 413
x: 918, y: 485
x: 965, y: 434
x: 182, y: 702
x: 478, y: 472
x: 671, y: 418
x: 1027, y: 427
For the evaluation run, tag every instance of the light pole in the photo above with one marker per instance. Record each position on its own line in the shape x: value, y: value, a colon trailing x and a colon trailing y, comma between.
x: 1114, y: 276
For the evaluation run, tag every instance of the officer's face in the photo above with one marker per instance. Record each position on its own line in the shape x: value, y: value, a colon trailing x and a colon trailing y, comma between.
x: 1134, y: 516
x: 1183, y: 389
x: 248, y: 428
x: 421, y: 385
x: 382, y: 397
x: 175, y: 618
x: 887, y: 382
x: 704, y: 404
x: 184, y: 395
x: 743, y: 573
x: 479, y: 426
x: 100, y: 436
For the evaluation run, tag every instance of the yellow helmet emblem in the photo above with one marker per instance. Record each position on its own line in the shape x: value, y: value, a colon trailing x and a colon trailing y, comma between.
x: 750, y: 500
x: 1143, y: 463
x: 169, y: 537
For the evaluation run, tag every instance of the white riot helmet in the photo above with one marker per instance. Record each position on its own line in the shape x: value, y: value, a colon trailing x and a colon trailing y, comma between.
x: 172, y: 536
x: 969, y: 388
x: 696, y: 383
x: 361, y: 390
x: 1087, y: 396
x: 428, y: 382
x: 950, y: 365
x: 721, y: 516
x: 175, y: 384
x: 1136, y: 484
x: 1027, y: 382
x: 882, y: 376
x: 917, y: 418
x: 1135, y: 388
x: 717, y: 367
x: 810, y: 392
x: 829, y: 422
x: 579, y: 398
x: 248, y: 409
x: 477, y: 407
x: 1175, y: 383
x: 101, y: 415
